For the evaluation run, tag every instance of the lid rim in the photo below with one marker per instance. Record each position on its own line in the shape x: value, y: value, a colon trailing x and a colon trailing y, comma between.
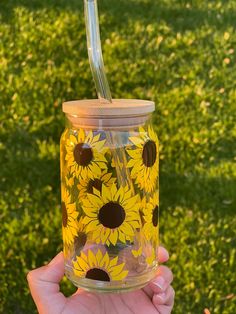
x: 119, y: 107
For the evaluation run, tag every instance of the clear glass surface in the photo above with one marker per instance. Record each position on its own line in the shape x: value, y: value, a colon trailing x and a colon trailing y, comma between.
x: 110, y: 206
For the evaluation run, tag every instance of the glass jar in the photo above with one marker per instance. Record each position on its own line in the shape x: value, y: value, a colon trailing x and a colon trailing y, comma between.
x: 110, y: 194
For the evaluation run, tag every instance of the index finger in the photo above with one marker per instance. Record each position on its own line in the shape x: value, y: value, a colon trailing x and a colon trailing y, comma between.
x: 44, y: 286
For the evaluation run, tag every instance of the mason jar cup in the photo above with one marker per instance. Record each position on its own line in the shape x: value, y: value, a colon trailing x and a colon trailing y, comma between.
x: 110, y: 194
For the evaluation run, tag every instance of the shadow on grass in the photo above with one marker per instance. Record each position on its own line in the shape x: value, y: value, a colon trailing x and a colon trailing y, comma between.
x: 192, y: 191
x: 26, y: 165
x: 178, y: 16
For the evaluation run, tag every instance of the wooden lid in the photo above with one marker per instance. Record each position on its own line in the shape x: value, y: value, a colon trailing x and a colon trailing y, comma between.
x: 118, y: 108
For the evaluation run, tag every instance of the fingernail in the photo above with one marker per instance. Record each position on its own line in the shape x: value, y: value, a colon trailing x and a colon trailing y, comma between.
x: 159, y: 282
x: 161, y: 297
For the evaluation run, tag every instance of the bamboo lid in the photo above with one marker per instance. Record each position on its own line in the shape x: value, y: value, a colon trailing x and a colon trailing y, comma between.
x: 118, y: 108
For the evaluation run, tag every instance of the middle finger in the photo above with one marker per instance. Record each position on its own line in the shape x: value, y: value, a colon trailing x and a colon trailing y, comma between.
x: 162, y: 281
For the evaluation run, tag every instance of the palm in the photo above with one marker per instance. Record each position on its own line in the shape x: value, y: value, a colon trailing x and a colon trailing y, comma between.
x: 133, y: 302
x: 44, y: 286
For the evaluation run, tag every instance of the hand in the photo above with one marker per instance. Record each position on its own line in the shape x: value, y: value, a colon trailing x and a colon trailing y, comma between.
x: 156, y: 298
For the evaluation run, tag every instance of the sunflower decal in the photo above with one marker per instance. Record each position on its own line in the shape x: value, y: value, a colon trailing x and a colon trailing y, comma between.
x: 148, y: 251
x: 81, y: 237
x: 79, y: 241
x: 137, y: 252
x: 64, y: 169
x: 111, y: 215
x: 85, y: 154
x: 151, y: 256
x: 70, y: 226
x: 144, y: 159
x: 99, y: 267
x: 151, y: 217
x: 69, y: 181
x: 87, y: 185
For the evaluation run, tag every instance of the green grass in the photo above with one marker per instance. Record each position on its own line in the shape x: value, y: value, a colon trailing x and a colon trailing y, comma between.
x: 180, y: 54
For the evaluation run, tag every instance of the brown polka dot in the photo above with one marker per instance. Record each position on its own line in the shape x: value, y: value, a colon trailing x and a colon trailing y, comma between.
x: 149, y: 153
x: 155, y: 216
x: 83, y: 154
x: 96, y: 183
x: 97, y: 274
x: 64, y: 214
x: 111, y: 215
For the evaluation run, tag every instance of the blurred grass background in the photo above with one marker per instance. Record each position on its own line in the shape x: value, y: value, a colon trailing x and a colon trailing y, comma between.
x: 181, y: 54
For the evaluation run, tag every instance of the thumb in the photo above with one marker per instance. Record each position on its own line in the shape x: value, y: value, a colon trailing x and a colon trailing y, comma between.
x: 44, y: 286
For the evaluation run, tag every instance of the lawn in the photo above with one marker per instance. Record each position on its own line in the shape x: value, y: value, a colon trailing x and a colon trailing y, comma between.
x: 181, y: 54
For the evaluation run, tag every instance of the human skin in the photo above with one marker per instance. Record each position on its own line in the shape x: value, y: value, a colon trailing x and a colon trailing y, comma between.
x: 156, y: 298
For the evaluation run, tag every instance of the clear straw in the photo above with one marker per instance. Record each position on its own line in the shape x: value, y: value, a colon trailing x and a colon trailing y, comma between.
x: 102, y: 86
x: 95, y: 51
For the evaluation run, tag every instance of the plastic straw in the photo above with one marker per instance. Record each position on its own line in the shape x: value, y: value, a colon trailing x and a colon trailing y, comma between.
x: 95, y: 51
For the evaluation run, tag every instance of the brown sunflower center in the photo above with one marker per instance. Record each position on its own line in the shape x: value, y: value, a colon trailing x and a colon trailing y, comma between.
x: 149, y: 153
x: 111, y: 215
x: 64, y: 214
x: 97, y: 274
x: 80, y: 241
x: 96, y: 183
x: 83, y: 154
x: 155, y: 216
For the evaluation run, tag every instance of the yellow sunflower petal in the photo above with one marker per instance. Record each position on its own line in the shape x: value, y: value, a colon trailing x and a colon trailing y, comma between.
x: 92, y: 259
x: 74, y: 215
x: 89, y: 138
x: 121, y: 276
x: 94, y: 200
x: 113, y: 236
x: 84, y: 256
x: 105, y: 261
x: 96, y: 235
x: 142, y: 130
x: 89, y: 211
x: 106, y: 177
x: 96, y: 170
x: 131, y: 201
x: 113, y: 191
x: 92, y: 226
x: 82, y: 264
x: 131, y: 163
x: 138, y: 252
x: 113, y: 262
x: 99, y: 257
x: 127, y: 229
x: 100, y: 157
x: 103, y: 165
x: 105, y: 234
x: 99, y: 145
x: 87, y: 203
x: 72, y: 140
x: 81, y: 136
x: 96, y: 192
x: 78, y: 273
x: 106, y: 194
x: 71, y: 208
x: 122, y: 237
x: 117, y: 269
x: 96, y: 138
x: 136, y: 140
x: 135, y: 154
